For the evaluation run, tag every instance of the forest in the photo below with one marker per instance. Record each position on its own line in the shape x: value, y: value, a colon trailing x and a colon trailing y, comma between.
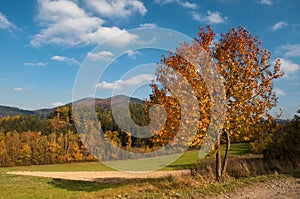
x: 30, y: 140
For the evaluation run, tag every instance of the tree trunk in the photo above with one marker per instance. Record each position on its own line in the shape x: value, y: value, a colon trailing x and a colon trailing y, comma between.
x: 218, y: 161
x: 225, y: 160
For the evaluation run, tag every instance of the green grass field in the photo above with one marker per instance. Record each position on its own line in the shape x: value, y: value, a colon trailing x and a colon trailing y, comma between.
x: 238, y: 149
x: 25, y: 187
x: 183, y: 162
x: 13, y: 186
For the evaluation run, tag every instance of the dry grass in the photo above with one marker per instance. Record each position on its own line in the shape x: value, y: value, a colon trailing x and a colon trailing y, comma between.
x: 249, y: 165
x: 200, y: 184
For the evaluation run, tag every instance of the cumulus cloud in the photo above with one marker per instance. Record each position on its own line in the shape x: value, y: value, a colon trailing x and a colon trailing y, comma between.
x: 56, y: 104
x: 121, y: 84
x: 211, y: 17
x: 185, y: 4
x: 215, y: 17
x: 289, y: 67
x: 5, y: 23
x: 69, y: 60
x: 196, y: 16
x: 63, y: 22
x: 102, y: 55
x: 132, y: 53
x: 35, y: 64
x: 279, y: 25
x: 279, y: 91
x: 289, y: 50
x: 117, y: 8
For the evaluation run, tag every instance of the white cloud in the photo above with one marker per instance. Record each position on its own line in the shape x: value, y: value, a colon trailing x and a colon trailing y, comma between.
x: 226, y: 2
x: 58, y: 58
x: 132, y: 53
x: 266, y: 2
x: 289, y: 67
x: 55, y: 104
x: 279, y: 92
x: 279, y: 25
x: 121, y: 84
x: 163, y: 2
x: 4, y: 23
x: 117, y: 8
x: 102, y: 55
x: 19, y: 89
x: 211, y: 17
x: 148, y: 25
x: 24, y: 88
x: 35, y: 64
x: 196, y: 16
x: 185, y: 4
x: 65, y: 23
x: 70, y: 61
x: 215, y: 17
x: 289, y: 50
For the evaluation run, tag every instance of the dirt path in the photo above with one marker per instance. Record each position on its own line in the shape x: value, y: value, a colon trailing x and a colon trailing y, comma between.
x: 92, y: 176
x: 288, y: 188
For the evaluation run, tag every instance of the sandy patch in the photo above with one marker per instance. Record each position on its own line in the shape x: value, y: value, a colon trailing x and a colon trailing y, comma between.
x: 96, y: 175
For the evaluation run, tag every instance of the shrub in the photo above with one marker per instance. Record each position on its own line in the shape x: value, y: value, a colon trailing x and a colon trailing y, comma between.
x: 263, y: 137
x: 284, y: 150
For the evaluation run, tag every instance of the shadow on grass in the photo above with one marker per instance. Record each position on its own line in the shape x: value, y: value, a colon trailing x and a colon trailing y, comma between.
x: 297, y: 174
x: 79, y: 185
x: 99, y: 184
x: 181, y: 166
x: 294, y: 173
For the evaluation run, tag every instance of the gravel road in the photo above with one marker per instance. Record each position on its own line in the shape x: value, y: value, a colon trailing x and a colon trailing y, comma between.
x: 288, y: 188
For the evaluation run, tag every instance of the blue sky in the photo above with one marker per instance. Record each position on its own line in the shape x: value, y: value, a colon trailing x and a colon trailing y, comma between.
x: 43, y: 43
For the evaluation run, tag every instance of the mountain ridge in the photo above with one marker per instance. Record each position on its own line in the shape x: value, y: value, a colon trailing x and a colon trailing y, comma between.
x: 103, y: 102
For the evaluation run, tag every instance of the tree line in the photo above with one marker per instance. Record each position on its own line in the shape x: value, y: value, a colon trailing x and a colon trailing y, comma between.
x: 36, y: 148
x: 30, y: 140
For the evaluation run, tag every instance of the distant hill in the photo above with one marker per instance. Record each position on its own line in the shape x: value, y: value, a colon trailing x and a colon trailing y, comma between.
x: 119, y: 100
x: 104, y: 103
x: 13, y: 111
x: 282, y: 121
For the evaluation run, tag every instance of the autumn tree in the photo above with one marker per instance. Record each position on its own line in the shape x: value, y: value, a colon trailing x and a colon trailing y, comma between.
x: 247, y: 73
x: 3, y: 153
x: 12, y: 147
x: 24, y: 156
x: 39, y: 147
x: 168, y: 132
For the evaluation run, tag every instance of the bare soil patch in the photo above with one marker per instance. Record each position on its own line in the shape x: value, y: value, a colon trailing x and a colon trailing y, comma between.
x: 98, y: 175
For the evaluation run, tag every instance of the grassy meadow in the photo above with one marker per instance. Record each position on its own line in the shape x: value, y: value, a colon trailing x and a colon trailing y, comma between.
x: 14, y: 186
x: 184, y: 162
x: 23, y: 187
